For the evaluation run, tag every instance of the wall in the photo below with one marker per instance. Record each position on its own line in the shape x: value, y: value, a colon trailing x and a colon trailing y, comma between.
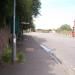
x: 4, y: 38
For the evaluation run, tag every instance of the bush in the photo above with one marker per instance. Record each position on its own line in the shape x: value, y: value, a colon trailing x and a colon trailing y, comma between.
x: 20, y: 57
x: 7, y: 56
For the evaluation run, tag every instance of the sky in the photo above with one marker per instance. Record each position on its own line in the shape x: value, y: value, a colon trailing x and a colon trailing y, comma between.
x: 55, y: 13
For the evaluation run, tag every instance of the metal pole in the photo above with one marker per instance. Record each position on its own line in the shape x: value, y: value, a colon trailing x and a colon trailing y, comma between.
x: 73, y: 30
x: 14, y: 34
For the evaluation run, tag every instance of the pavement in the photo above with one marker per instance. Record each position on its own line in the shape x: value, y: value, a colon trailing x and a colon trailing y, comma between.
x: 36, y: 61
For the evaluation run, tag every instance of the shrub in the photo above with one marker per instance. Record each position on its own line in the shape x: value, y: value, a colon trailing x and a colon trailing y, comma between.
x: 7, y: 55
x: 20, y: 57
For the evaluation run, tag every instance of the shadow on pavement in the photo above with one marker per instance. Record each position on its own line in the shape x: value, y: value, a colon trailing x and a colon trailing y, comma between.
x: 37, y: 61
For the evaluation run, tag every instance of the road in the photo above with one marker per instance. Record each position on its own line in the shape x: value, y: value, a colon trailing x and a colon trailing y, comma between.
x: 63, y: 48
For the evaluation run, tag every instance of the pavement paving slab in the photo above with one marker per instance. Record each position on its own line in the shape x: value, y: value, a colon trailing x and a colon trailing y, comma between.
x: 37, y: 61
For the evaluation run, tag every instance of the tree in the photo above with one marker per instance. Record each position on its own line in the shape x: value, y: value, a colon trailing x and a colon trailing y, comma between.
x: 24, y: 8
x: 28, y: 10
x: 64, y: 27
x: 36, y: 7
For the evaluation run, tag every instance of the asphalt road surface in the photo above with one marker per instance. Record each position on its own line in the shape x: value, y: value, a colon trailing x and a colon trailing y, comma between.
x: 63, y: 48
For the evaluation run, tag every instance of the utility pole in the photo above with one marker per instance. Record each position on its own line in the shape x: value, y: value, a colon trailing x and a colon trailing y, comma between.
x: 14, y: 34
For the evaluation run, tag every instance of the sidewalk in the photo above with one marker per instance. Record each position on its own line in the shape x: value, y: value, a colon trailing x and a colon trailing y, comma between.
x: 37, y: 61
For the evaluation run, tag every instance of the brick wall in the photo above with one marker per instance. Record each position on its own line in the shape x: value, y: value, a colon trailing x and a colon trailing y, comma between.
x: 4, y: 38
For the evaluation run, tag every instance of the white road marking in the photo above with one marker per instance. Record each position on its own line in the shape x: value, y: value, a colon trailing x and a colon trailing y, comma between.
x: 51, y: 53
x: 45, y: 48
x: 70, y: 70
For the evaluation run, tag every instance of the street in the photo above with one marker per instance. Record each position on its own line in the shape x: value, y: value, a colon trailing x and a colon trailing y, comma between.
x: 36, y: 60
x: 63, y: 48
x: 44, y: 54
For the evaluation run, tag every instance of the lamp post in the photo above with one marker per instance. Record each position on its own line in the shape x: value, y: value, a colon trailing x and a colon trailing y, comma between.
x: 14, y: 34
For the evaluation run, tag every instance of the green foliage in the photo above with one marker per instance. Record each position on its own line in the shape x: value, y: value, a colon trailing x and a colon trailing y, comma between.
x: 36, y: 7
x: 24, y: 8
x: 7, y: 55
x: 20, y: 57
x: 33, y: 28
x: 64, y: 27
